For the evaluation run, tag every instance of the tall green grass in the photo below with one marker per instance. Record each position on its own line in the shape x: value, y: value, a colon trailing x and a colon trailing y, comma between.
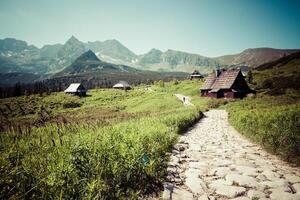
x: 273, y: 122
x: 122, y: 159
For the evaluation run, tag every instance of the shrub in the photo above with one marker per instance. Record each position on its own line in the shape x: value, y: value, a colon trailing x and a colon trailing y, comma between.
x: 71, y: 105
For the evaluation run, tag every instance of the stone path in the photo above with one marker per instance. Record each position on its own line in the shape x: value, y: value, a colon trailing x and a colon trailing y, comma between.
x: 213, y: 161
x: 185, y: 99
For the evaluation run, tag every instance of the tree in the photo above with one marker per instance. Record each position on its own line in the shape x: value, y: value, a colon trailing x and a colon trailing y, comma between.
x: 17, y: 89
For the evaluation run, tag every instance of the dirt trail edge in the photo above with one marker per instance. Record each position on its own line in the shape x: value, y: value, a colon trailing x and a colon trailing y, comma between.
x: 213, y: 161
x: 185, y: 99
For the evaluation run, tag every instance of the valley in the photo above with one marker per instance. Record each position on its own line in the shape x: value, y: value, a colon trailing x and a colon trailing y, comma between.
x: 150, y: 100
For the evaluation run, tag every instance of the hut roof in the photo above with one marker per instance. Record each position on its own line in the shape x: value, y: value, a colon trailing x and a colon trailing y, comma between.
x: 195, y: 72
x: 224, y: 80
x: 75, y: 87
x: 210, y: 79
x: 122, y: 84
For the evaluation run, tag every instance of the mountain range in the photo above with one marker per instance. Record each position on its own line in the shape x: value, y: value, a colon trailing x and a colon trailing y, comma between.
x: 17, y: 56
x: 88, y: 62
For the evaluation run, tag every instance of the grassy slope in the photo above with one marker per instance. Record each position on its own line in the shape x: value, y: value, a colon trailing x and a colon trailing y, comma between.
x: 272, y: 118
x: 279, y: 79
x: 113, y: 144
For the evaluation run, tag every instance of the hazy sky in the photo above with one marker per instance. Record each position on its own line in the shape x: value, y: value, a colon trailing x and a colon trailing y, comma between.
x: 206, y: 27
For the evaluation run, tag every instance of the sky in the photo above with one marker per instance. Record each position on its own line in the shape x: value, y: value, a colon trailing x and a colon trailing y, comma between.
x: 207, y: 27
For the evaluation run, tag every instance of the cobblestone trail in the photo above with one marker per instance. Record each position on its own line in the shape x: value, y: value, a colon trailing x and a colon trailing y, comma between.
x: 213, y: 161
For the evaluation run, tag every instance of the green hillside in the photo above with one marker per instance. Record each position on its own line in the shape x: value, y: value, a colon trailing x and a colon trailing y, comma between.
x: 278, y: 77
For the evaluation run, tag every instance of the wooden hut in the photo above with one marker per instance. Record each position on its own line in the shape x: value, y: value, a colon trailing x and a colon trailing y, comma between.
x: 76, y: 89
x: 223, y: 83
x: 122, y: 85
x: 196, y: 75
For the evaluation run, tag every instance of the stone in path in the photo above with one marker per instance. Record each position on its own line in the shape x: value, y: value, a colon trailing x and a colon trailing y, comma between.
x: 213, y: 161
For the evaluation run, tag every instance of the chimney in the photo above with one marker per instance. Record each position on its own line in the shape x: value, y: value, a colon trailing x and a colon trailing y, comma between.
x: 218, y: 71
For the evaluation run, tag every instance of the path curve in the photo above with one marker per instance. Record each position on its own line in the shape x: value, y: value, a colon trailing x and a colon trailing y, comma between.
x: 185, y: 99
x: 213, y: 161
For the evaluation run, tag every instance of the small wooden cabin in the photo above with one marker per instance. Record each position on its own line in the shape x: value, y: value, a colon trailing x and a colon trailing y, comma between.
x: 122, y: 85
x: 196, y: 75
x: 223, y: 83
x: 76, y: 89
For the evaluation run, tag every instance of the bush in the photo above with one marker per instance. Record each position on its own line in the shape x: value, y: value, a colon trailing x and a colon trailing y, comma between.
x: 71, y: 105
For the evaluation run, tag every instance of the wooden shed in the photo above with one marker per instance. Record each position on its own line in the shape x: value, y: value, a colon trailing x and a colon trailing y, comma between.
x: 223, y: 83
x: 196, y: 75
x: 122, y: 85
x: 76, y: 89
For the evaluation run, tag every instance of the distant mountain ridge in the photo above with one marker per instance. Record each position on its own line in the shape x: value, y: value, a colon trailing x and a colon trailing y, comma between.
x: 172, y: 60
x: 294, y: 57
x: 51, y: 59
x: 18, y: 56
x: 255, y: 57
x: 112, y: 48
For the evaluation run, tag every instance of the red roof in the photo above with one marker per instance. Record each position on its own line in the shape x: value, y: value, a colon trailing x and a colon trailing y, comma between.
x: 225, y: 80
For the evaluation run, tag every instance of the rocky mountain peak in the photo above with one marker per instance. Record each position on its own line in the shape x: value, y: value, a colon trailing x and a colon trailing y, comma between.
x: 73, y: 40
x: 88, y: 56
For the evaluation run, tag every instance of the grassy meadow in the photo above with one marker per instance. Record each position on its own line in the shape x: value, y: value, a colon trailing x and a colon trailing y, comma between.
x: 272, y: 117
x: 111, y: 144
x: 273, y: 122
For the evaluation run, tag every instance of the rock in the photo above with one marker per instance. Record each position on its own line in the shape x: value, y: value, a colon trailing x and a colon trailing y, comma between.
x: 271, y: 175
x: 183, y: 139
x: 242, y: 180
x: 174, y: 160
x: 180, y: 194
x: 174, y: 151
x: 278, y: 194
x: 194, y: 182
x: 168, y: 189
x: 244, y: 163
x: 241, y: 198
x: 296, y: 186
x: 178, y: 181
x: 195, y: 147
x: 223, y: 163
x: 274, y: 184
x: 261, y: 177
x: 246, y: 169
x: 181, y: 148
x: 230, y: 191
x: 254, y: 194
x: 198, y: 165
x: 221, y: 171
x: 204, y: 197
x: 219, y: 183
x: 292, y: 178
